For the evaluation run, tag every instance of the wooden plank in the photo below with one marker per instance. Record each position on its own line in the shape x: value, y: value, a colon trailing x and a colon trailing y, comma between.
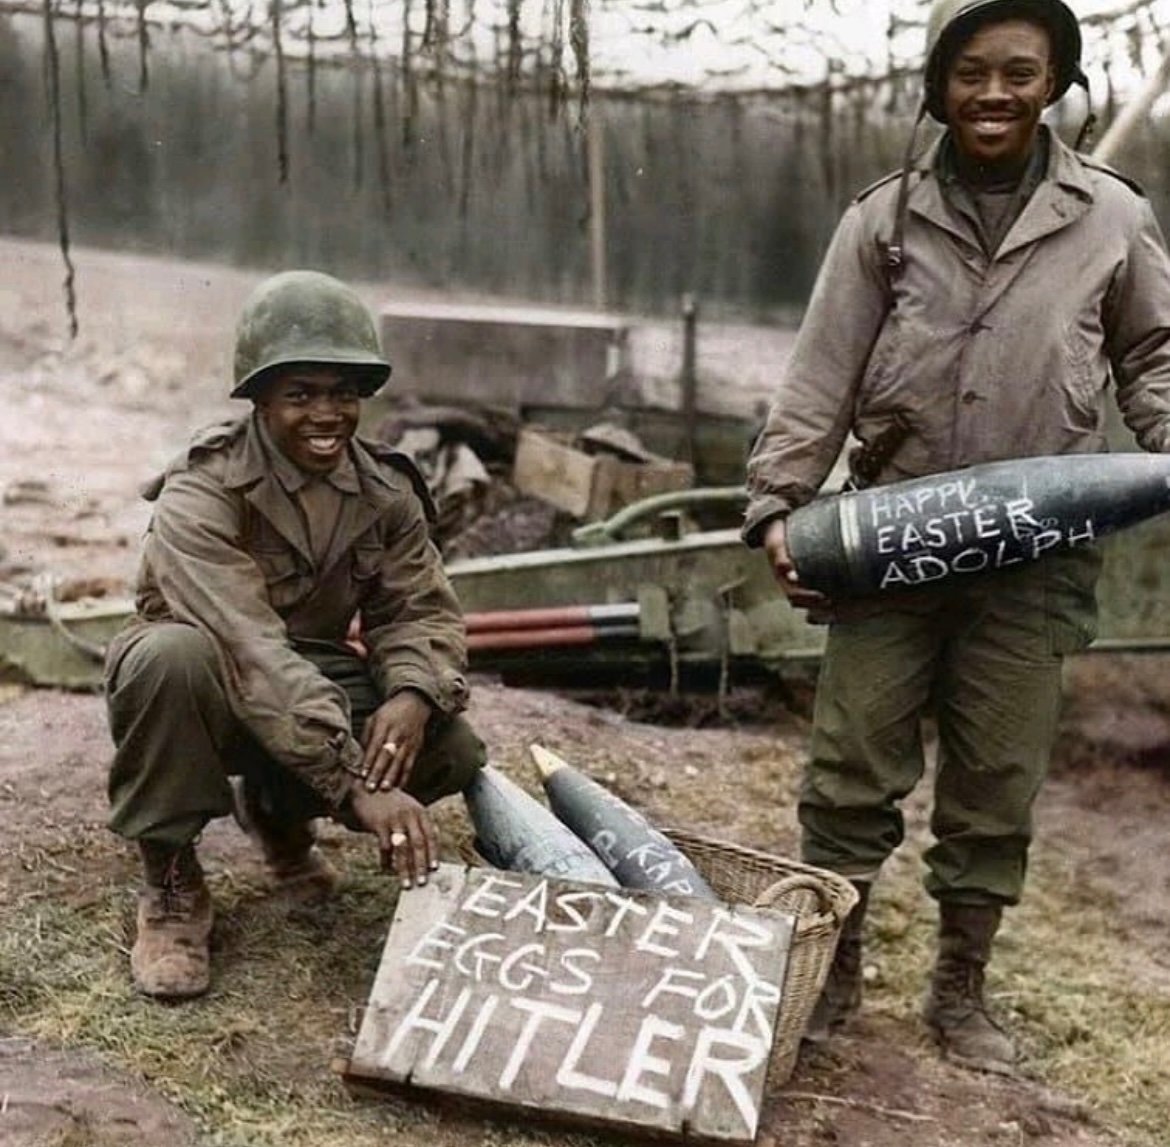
x: 554, y: 472
x: 618, y: 1009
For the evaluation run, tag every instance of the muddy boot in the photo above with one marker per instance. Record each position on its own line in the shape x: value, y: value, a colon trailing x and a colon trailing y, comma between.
x: 170, y: 958
x: 955, y: 1008
x: 300, y: 874
x: 841, y: 996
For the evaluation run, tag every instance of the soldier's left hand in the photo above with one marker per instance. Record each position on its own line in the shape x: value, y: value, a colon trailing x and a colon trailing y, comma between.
x: 392, y: 739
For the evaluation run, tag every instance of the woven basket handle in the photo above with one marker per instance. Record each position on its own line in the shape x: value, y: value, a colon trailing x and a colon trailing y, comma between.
x: 799, y: 882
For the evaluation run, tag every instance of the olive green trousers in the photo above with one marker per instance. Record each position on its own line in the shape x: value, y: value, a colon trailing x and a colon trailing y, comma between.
x: 177, y: 741
x: 983, y: 658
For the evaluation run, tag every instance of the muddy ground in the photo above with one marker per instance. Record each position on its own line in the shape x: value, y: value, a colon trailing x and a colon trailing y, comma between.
x: 87, y: 421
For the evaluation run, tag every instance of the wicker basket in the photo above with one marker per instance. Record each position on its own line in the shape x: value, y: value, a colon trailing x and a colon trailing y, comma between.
x: 819, y: 900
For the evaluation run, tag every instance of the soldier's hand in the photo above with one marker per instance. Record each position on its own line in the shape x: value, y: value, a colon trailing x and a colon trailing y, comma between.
x: 392, y: 739
x: 776, y: 547
x: 407, y: 840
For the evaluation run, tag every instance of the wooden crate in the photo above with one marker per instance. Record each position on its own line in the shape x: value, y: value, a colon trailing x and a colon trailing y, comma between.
x: 590, y: 486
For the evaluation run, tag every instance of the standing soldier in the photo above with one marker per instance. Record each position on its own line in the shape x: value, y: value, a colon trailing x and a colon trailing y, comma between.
x: 975, y: 307
x: 269, y: 535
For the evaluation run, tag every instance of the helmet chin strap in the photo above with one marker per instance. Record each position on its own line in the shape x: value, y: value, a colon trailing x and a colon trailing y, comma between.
x: 895, y: 252
x: 1090, y: 122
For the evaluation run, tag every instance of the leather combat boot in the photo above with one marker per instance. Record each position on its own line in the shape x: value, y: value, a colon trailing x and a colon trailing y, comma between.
x: 300, y: 874
x: 841, y: 996
x: 170, y: 958
x: 955, y: 1008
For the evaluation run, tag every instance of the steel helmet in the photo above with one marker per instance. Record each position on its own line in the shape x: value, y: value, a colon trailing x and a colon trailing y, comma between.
x: 306, y: 317
x: 951, y: 22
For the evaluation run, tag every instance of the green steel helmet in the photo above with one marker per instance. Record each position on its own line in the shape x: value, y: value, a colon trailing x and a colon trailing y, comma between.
x: 306, y: 317
x: 952, y: 22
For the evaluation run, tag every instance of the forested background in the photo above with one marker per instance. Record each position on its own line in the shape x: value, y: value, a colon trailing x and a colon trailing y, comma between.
x: 356, y: 165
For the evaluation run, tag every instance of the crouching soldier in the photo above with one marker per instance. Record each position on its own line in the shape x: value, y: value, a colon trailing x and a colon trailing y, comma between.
x: 234, y: 688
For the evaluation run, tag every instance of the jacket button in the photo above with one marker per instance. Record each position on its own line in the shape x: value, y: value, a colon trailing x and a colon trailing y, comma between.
x: 970, y: 397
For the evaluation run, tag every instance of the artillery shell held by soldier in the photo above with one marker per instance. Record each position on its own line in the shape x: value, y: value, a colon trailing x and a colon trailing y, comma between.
x: 639, y: 855
x: 973, y: 521
x: 515, y: 831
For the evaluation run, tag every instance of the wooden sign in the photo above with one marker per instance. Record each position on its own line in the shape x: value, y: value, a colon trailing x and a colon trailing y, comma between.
x: 603, y: 1006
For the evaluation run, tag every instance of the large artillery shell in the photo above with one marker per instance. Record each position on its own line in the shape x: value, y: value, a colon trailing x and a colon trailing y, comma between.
x: 985, y: 518
x: 515, y: 831
x: 637, y: 853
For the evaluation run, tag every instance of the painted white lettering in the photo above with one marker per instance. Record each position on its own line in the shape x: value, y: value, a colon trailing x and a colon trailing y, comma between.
x: 603, y: 843
x: 730, y: 1072
x: 431, y: 940
x: 623, y: 907
x: 717, y: 999
x: 957, y: 520
x: 1021, y: 520
x: 485, y: 901
x: 642, y: 1063
x: 936, y: 536
x: 533, y: 903
x: 533, y: 971
x: 568, y: 1075
x: 969, y: 561
x: 757, y: 995
x: 538, y: 1011
x: 893, y: 575
x: 926, y: 567
x: 415, y: 1020
x: 734, y: 933
x: 662, y: 925
x: 575, y: 920
x: 884, y: 540
x: 472, y: 1039
x: 1043, y: 541
x: 584, y: 980
x: 667, y: 983
x: 986, y: 522
x: 911, y: 537
x: 470, y: 949
x: 879, y: 508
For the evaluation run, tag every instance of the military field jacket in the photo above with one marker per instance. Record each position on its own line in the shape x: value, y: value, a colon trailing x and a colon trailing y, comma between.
x: 226, y: 552
x: 984, y: 358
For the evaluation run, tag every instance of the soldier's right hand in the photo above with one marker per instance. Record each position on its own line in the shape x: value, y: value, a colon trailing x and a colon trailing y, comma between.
x: 406, y: 834
x: 776, y: 547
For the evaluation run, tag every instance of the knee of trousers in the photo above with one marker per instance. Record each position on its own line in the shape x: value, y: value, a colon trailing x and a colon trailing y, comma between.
x: 450, y: 758
x: 165, y: 663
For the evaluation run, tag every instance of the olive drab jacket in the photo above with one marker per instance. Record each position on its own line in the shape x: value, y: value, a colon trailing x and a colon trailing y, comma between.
x: 985, y: 358
x: 226, y: 552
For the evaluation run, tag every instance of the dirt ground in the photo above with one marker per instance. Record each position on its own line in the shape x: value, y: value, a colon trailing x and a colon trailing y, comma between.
x: 86, y: 422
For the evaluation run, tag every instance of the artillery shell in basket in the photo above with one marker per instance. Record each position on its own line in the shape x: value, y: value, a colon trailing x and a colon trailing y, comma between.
x: 637, y: 853
x: 515, y: 831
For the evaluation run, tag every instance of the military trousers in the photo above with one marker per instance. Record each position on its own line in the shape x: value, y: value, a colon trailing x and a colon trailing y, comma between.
x: 982, y: 657
x: 177, y: 740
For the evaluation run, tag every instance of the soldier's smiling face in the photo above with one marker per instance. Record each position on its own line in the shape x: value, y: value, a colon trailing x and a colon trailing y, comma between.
x: 311, y: 413
x: 997, y: 86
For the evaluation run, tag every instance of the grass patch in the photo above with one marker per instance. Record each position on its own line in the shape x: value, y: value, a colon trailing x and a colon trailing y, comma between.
x: 1058, y: 979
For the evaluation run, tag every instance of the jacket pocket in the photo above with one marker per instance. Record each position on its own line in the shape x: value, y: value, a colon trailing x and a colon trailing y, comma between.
x: 287, y: 576
x: 1081, y: 379
x: 367, y: 563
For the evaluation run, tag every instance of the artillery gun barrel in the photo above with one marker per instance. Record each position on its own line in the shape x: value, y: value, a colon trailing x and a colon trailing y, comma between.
x: 973, y: 521
x: 553, y: 617
x: 491, y: 640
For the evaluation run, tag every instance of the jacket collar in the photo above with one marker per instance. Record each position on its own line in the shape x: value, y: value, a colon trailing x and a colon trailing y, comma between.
x: 253, y: 469
x: 1062, y: 196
